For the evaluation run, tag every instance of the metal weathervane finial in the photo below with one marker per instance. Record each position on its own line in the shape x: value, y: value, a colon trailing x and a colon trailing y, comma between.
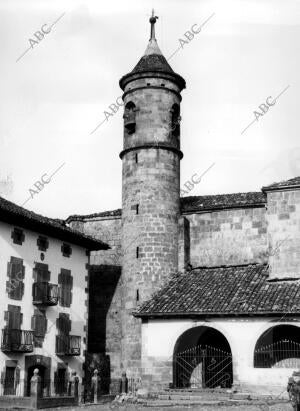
x: 152, y: 21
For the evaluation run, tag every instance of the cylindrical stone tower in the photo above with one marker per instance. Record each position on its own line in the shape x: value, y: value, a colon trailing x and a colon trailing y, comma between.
x: 151, y: 185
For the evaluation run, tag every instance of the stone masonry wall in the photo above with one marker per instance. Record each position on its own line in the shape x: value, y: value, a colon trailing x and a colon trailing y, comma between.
x: 107, y: 229
x: 153, y: 232
x: 105, y: 287
x: 150, y: 204
x: 284, y: 233
x: 228, y: 237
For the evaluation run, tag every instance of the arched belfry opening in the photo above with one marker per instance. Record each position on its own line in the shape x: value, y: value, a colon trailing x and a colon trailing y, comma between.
x: 278, y: 347
x: 175, y: 120
x: 202, y: 359
x: 129, y: 117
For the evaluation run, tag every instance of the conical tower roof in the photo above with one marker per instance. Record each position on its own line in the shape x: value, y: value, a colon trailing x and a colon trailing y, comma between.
x: 153, y: 60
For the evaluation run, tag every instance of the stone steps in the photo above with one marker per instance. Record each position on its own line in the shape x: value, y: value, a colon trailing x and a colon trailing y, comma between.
x: 217, y: 397
x: 191, y: 402
x: 194, y: 394
x: 194, y: 397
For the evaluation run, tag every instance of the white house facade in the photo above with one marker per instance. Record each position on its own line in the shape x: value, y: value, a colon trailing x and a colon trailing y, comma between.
x: 43, y: 300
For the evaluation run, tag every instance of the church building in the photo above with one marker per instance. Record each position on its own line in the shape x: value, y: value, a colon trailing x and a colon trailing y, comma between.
x: 197, y: 291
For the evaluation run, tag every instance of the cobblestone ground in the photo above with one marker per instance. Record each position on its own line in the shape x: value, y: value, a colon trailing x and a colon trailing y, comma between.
x: 109, y: 407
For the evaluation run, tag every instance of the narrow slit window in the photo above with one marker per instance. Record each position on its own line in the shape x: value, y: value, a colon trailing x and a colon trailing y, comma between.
x: 136, y: 158
x: 137, y: 295
x: 137, y: 208
x: 137, y: 252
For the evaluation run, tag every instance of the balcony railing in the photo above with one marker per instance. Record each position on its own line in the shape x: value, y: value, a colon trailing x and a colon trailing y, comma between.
x: 16, y: 340
x: 68, y: 345
x: 44, y: 293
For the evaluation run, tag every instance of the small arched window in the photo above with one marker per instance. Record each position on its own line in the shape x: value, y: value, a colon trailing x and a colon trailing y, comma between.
x: 175, y: 120
x: 129, y: 117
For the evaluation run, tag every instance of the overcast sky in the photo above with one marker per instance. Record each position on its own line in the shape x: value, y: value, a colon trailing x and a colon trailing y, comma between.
x: 54, y: 96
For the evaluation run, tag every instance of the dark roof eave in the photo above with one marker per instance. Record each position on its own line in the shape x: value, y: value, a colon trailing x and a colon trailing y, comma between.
x: 56, y: 231
x: 214, y: 314
x: 280, y: 188
x: 127, y: 78
x: 109, y: 214
x: 225, y: 207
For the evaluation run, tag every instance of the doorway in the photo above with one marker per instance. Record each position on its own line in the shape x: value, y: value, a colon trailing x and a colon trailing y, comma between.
x: 202, y: 359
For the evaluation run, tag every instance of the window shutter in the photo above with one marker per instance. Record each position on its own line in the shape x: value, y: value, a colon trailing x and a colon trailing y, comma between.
x: 65, y: 281
x: 16, y: 275
x: 14, y: 320
x: 39, y: 323
x: 64, y: 324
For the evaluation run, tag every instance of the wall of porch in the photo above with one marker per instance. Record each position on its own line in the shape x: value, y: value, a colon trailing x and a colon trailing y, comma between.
x: 159, y: 338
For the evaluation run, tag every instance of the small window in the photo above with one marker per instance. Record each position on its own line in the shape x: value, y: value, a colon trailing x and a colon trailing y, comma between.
x: 18, y: 236
x: 129, y: 117
x: 148, y: 84
x: 137, y: 295
x: 175, y: 120
x: 66, y: 250
x: 137, y: 252
x: 42, y: 243
x: 137, y: 208
x: 136, y: 158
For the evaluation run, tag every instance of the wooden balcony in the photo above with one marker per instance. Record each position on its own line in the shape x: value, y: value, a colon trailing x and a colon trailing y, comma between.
x: 44, y: 293
x: 16, y: 340
x: 68, y: 345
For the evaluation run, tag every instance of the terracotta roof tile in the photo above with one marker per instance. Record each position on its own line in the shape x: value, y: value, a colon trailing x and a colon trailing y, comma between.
x: 196, y: 203
x: 152, y: 62
x: 283, y: 184
x: 232, y: 290
x: 222, y: 201
x: 14, y: 214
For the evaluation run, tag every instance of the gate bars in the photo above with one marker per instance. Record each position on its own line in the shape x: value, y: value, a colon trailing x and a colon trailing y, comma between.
x: 203, y: 366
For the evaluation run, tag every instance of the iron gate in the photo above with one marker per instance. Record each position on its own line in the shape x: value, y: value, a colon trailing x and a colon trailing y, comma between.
x: 281, y: 354
x: 202, y: 366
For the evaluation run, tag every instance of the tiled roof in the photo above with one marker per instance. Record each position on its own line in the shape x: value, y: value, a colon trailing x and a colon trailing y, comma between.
x: 77, y: 217
x: 232, y: 290
x: 19, y: 216
x: 283, y: 184
x: 222, y: 201
x: 153, y: 62
x: 195, y: 203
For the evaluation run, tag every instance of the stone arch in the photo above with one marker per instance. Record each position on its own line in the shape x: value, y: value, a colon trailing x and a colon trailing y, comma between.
x: 202, y: 358
x: 278, y: 347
